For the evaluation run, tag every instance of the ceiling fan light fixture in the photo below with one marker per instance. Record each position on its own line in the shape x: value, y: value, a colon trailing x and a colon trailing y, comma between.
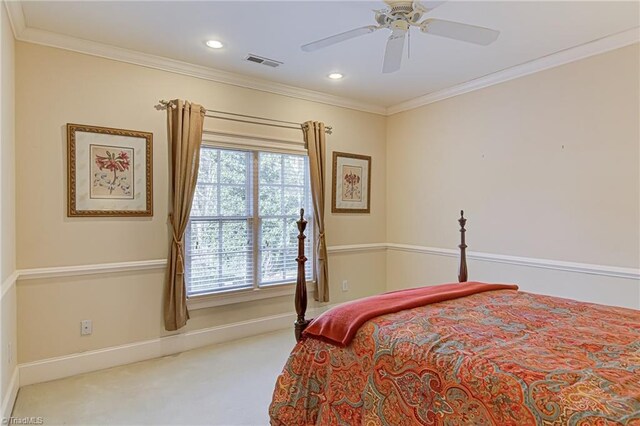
x: 214, y: 44
x: 335, y: 76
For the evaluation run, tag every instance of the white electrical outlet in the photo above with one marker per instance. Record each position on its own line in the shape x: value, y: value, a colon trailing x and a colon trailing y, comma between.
x: 345, y: 285
x: 86, y: 327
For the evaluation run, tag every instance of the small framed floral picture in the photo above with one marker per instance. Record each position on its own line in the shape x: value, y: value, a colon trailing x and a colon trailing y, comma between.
x: 351, y: 190
x: 109, y: 172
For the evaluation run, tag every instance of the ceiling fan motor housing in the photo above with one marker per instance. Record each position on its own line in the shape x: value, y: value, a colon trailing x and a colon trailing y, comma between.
x: 399, y: 24
x: 403, y: 7
x: 399, y: 10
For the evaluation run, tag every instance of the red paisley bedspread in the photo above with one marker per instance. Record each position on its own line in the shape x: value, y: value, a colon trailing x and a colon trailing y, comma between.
x: 494, y: 358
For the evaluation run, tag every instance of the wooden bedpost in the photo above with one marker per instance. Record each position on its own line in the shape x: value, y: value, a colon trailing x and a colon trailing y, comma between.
x: 462, y: 275
x: 301, y: 282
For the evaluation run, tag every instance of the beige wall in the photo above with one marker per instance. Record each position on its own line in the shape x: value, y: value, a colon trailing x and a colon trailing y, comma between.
x: 545, y: 166
x: 409, y: 269
x: 7, y: 155
x: 56, y: 87
x: 7, y: 206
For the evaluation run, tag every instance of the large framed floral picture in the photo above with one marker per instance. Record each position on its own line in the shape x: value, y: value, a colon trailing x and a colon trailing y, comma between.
x: 109, y: 171
x: 351, y: 190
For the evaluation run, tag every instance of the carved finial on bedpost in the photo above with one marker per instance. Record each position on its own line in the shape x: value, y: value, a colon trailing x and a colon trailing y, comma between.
x: 462, y: 275
x: 301, y: 283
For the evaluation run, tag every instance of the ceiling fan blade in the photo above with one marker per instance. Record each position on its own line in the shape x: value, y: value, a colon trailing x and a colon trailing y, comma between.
x: 458, y: 31
x: 393, y: 53
x: 427, y: 5
x: 319, y: 44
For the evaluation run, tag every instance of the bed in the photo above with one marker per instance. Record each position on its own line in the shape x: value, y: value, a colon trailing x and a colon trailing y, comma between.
x: 476, y: 354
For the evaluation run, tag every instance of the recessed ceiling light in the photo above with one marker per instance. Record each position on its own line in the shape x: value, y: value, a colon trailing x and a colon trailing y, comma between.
x: 335, y: 76
x: 215, y: 44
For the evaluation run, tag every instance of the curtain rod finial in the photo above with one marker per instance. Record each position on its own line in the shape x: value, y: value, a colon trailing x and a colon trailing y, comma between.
x: 162, y: 104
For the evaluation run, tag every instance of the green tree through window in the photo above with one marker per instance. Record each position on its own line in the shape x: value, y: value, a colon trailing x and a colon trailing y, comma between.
x: 242, y: 231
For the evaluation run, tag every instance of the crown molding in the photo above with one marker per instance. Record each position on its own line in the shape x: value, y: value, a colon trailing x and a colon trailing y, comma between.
x: 47, y: 38
x: 553, y: 60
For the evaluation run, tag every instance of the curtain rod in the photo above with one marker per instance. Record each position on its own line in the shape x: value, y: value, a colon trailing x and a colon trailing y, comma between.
x: 212, y: 114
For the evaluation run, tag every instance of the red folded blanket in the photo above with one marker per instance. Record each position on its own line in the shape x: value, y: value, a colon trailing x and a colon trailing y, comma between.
x: 340, y: 324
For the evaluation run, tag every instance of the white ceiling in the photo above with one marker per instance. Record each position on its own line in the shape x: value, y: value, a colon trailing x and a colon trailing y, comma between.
x: 178, y: 30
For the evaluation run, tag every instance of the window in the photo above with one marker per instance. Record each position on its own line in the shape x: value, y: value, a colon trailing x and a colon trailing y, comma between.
x: 242, y: 232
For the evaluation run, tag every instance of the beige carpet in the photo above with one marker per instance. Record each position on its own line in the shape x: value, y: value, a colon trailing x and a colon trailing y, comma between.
x: 226, y: 384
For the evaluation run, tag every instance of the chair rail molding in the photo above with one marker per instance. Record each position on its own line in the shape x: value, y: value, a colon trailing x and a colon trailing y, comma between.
x: 558, y: 265
x: 357, y: 248
x: 9, y: 282
x: 159, y: 264
x: 100, y: 268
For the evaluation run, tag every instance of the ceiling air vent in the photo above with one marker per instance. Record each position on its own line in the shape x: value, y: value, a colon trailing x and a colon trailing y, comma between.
x: 264, y: 61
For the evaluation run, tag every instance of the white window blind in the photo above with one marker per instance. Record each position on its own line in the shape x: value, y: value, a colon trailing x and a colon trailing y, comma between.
x: 242, y: 232
x: 283, y: 190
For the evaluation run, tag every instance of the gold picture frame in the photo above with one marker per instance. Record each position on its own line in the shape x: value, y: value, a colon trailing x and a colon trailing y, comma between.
x: 109, y: 172
x: 351, y: 187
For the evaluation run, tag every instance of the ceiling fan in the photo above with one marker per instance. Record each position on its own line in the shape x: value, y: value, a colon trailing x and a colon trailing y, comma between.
x: 399, y: 17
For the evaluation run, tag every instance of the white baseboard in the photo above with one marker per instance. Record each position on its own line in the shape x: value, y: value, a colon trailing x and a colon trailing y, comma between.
x: 10, y: 398
x: 84, y: 362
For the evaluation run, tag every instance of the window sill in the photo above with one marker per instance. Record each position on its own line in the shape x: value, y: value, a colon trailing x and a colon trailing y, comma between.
x: 245, y: 295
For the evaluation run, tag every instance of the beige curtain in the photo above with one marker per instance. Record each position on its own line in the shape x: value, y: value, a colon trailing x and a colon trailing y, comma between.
x: 314, y: 138
x: 185, y: 121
